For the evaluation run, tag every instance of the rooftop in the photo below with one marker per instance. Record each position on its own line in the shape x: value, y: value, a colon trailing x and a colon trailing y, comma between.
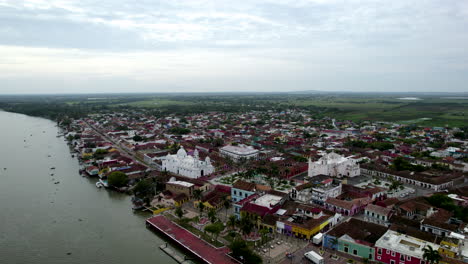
x: 268, y: 200
x: 182, y: 183
x: 404, y: 244
x: 241, y: 149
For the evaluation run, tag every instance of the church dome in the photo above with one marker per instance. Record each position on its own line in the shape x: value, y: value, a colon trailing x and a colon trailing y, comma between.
x: 181, y: 152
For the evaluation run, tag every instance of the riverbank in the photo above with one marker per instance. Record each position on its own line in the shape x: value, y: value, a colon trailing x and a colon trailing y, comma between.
x: 69, y: 222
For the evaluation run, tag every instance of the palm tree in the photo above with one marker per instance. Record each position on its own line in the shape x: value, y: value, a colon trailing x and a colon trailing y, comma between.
x: 179, y: 212
x: 201, y: 206
x: 263, y: 232
x: 246, y: 225
x: 334, y: 243
x: 430, y: 255
x: 232, y: 221
x: 226, y: 203
x: 212, y: 215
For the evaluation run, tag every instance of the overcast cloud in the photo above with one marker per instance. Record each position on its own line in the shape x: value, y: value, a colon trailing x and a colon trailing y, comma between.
x: 66, y: 46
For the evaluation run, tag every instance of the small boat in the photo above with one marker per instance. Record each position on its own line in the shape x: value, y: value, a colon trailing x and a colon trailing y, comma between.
x: 99, y: 185
x: 73, y: 156
x: 52, y: 168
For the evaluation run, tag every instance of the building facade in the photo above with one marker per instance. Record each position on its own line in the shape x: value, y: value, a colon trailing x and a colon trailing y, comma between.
x: 186, y: 165
x: 334, y: 165
x: 237, y: 153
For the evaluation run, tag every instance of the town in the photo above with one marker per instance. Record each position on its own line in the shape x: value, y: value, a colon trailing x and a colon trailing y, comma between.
x: 270, y: 186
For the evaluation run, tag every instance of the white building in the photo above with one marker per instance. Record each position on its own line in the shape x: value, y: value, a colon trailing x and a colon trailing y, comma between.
x: 238, y: 152
x: 317, y: 191
x: 186, y: 165
x: 335, y: 165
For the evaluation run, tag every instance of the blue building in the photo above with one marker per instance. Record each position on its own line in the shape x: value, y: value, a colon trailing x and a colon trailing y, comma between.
x: 239, y: 191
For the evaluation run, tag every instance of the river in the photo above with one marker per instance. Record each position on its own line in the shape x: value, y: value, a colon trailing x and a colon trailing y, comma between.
x: 68, y: 222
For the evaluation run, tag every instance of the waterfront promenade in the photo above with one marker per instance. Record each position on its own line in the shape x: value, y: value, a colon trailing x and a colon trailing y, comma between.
x: 198, y: 247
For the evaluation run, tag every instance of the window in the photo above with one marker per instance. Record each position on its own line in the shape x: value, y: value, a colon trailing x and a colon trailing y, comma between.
x: 346, y: 249
x: 354, y: 252
x: 235, y: 192
x: 402, y: 257
x: 408, y: 258
x: 379, y: 251
x: 393, y: 253
x: 392, y: 261
x: 388, y: 251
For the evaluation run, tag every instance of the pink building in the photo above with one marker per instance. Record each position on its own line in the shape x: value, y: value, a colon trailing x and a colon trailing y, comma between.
x: 396, y: 248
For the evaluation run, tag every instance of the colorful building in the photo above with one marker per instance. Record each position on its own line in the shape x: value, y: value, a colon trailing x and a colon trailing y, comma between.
x: 396, y: 248
x: 354, y: 237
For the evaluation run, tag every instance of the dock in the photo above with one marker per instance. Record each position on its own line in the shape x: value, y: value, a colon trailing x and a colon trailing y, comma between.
x: 196, y: 246
x: 169, y: 251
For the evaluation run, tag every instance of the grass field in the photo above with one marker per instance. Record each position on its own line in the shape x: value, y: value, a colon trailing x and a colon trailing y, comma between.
x: 428, y: 111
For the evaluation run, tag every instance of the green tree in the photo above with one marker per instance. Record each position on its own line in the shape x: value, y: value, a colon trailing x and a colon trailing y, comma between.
x: 215, y: 229
x: 226, y: 203
x: 197, y: 194
x: 263, y: 232
x: 179, y: 212
x: 246, y: 225
x: 143, y: 188
x: 232, y: 221
x: 242, y: 252
x: 117, y: 179
x: 201, y: 207
x: 430, y: 255
x: 212, y: 215
x: 137, y: 138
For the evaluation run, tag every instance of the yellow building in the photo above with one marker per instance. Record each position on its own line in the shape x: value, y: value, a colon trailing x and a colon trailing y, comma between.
x: 449, y: 247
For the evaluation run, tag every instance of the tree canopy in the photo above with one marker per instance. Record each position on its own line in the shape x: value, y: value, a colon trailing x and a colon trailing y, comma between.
x: 117, y: 179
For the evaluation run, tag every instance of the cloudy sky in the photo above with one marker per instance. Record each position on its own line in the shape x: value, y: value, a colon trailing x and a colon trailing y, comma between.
x: 83, y: 46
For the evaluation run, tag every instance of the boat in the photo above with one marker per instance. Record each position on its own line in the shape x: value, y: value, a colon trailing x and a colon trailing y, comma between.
x: 102, y: 183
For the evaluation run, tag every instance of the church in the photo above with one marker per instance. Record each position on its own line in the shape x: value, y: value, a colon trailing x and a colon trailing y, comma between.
x: 188, y: 166
x: 335, y: 165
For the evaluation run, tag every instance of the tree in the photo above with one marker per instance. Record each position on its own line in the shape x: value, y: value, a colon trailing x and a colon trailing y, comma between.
x: 226, y: 203
x: 212, y: 215
x: 143, y: 188
x: 242, y: 252
x: 179, y: 212
x: 201, y: 207
x: 215, y: 229
x: 263, y: 232
x: 137, y: 138
x: 232, y: 221
x: 117, y: 179
x: 246, y: 225
x: 430, y: 255
x: 334, y: 244
x: 197, y: 194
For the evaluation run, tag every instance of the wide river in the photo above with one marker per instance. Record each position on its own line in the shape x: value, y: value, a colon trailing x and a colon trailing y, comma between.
x: 68, y: 222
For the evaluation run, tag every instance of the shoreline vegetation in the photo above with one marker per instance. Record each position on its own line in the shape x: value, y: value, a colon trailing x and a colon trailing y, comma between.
x: 430, y: 110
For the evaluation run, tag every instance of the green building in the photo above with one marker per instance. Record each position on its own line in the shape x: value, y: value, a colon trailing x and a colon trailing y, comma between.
x: 354, y: 237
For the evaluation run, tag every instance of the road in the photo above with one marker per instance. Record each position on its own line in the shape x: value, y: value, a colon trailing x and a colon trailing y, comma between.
x: 130, y: 153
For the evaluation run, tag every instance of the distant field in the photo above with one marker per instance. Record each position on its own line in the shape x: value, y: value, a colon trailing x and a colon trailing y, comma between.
x: 156, y: 102
x: 426, y: 111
